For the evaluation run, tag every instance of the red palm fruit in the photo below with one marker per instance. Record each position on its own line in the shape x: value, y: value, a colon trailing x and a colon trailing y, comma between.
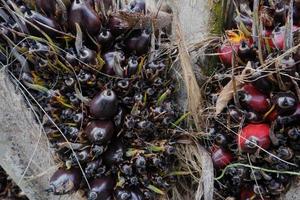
x: 279, y: 36
x: 226, y: 52
x: 221, y: 157
x: 101, y: 189
x: 99, y: 132
x: 104, y: 105
x: 253, y: 99
x: 83, y: 14
x: 254, y: 135
x: 272, y: 116
x: 65, y: 181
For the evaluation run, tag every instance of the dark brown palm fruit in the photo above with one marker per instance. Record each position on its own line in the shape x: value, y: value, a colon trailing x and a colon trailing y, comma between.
x: 46, y: 24
x: 261, y: 82
x: 65, y: 181
x: 280, y: 14
x: 296, y: 13
x: 99, y: 132
x: 105, y: 39
x: 137, y: 6
x: 88, y: 56
x: 101, y: 189
x: 82, y: 14
x: 47, y: 6
x: 114, y: 62
x: 221, y: 140
x: 139, y: 42
x: 286, y: 103
x: 245, y: 53
x: 114, y: 154
x: 104, y: 105
x: 289, y: 120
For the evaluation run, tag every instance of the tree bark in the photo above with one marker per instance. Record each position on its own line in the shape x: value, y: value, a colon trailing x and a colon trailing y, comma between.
x: 25, y: 153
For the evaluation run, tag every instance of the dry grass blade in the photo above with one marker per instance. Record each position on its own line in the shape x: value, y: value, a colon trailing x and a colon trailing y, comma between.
x: 196, y: 160
x: 228, y: 91
x: 192, y: 88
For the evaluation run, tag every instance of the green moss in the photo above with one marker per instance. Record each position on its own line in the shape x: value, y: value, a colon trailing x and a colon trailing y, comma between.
x: 217, y: 18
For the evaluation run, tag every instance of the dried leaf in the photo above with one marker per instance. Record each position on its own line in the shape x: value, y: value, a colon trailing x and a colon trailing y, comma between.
x: 228, y: 91
x: 78, y: 41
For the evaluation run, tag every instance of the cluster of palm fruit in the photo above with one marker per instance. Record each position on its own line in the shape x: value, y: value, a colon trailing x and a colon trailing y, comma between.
x: 255, y: 137
x: 103, y: 90
x: 8, y: 189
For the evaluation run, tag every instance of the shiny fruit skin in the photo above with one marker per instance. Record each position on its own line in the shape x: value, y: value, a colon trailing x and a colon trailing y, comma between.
x: 221, y: 158
x: 46, y: 24
x: 254, y: 99
x: 226, y: 52
x: 101, y: 189
x: 257, y: 133
x: 65, y: 181
x: 82, y: 14
x: 139, y: 44
x: 99, y: 132
x: 104, y: 105
x: 286, y: 103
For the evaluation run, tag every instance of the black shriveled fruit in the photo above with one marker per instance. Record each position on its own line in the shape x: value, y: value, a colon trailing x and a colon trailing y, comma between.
x: 65, y: 181
x: 101, y: 189
x: 114, y: 154
x: 99, y: 132
x: 82, y: 14
x: 104, y: 105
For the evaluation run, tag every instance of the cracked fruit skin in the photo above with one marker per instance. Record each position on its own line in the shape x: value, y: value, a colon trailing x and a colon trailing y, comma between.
x: 256, y: 133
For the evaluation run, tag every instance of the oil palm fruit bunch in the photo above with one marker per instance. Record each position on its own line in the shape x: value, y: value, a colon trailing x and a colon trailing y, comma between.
x: 103, y: 91
x: 8, y: 189
x: 254, y: 140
